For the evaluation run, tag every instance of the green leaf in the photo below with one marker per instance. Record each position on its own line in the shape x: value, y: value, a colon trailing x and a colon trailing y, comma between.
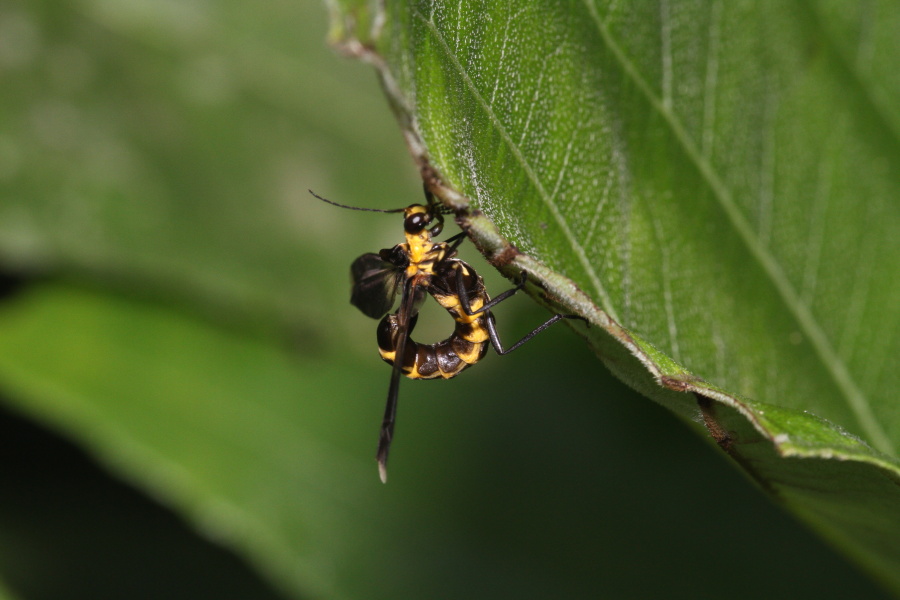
x: 713, y: 185
x: 183, y: 316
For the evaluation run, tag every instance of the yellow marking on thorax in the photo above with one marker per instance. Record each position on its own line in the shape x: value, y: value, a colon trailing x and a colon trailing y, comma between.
x: 423, y: 253
x: 418, y: 245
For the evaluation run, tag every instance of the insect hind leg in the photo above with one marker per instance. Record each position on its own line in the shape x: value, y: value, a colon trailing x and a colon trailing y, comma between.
x: 464, y: 295
x: 489, y: 321
x: 495, y: 338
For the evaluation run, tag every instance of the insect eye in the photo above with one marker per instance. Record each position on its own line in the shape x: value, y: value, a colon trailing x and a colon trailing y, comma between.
x: 416, y: 222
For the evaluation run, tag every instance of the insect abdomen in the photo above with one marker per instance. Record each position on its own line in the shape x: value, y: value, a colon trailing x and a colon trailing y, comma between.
x: 445, y: 359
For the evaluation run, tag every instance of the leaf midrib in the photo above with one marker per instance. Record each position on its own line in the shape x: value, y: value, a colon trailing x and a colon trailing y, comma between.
x: 853, y: 396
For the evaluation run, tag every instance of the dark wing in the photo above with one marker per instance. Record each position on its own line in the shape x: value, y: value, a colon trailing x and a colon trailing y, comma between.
x: 375, y: 285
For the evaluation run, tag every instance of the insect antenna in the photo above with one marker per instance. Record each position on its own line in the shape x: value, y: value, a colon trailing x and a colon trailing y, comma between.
x: 394, y: 210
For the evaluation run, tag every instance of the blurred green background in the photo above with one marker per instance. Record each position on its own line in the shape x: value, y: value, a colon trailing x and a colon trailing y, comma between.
x: 192, y: 404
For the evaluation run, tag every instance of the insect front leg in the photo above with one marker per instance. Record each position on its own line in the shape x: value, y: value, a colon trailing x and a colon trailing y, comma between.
x: 455, y: 241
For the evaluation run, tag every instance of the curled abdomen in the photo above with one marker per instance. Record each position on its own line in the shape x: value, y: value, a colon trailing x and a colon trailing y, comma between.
x: 448, y: 358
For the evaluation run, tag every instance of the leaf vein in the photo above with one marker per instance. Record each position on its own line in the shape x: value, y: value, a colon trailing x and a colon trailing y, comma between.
x: 526, y: 166
x: 665, y: 36
x: 667, y: 286
x: 712, y: 77
x: 834, y: 365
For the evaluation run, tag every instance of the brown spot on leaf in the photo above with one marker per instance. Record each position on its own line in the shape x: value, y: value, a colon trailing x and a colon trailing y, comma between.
x: 678, y: 384
x: 505, y: 257
x: 715, y: 429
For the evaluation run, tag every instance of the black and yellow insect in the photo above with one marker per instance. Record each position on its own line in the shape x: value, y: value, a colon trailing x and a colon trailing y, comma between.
x: 414, y: 269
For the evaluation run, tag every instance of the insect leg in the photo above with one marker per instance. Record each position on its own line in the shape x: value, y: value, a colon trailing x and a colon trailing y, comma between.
x: 456, y: 240
x: 434, y: 210
x: 386, y: 435
x: 495, y: 338
x: 464, y: 295
x: 489, y: 321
